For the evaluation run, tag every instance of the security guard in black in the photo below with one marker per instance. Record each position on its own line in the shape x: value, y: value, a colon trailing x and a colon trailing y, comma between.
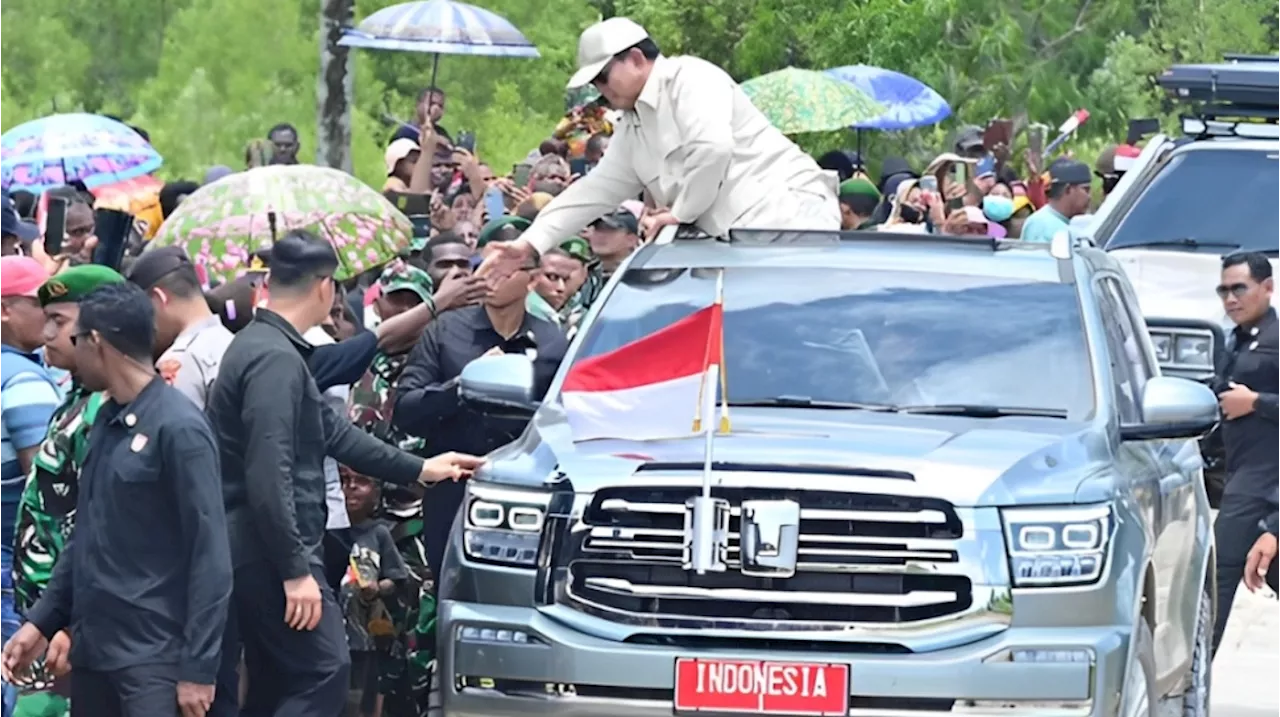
x: 145, y: 581
x: 1247, y: 387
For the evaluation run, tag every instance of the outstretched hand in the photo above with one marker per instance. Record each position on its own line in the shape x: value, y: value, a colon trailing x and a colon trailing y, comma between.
x: 449, y: 466
x: 506, y: 258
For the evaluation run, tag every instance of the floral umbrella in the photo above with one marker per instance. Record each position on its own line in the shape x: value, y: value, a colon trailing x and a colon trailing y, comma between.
x: 798, y: 101
x: 225, y: 222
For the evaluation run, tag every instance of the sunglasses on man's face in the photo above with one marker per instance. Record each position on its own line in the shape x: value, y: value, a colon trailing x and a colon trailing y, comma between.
x: 1236, y: 290
x: 603, y: 77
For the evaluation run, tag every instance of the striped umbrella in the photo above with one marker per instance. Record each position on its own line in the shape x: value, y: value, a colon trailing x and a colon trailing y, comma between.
x: 439, y: 27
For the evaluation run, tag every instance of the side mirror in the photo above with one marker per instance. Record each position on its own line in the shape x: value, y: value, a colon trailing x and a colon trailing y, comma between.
x: 1173, y: 408
x: 499, y: 385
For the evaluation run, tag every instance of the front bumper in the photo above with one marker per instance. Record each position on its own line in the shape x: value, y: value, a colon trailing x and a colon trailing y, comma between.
x: 565, y: 672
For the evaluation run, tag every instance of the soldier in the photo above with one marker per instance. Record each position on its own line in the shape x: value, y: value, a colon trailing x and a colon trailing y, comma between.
x: 593, y: 280
x: 46, y: 513
x: 406, y: 675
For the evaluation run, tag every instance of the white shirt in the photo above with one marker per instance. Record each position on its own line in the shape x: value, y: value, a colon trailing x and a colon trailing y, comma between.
x: 337, y: 398
x: 698, y: 146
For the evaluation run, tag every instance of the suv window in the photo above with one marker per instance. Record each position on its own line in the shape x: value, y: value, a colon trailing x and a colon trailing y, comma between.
x: 1124, y: 344
x: 1221, y: 198
x: 901, y: 338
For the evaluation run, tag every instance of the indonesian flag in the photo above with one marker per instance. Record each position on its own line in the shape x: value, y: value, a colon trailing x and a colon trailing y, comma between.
x: 659, y: 386
x: 1126, y: 157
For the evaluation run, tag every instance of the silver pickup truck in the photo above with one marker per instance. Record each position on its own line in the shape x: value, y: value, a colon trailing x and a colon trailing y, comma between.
x: 956, y: 483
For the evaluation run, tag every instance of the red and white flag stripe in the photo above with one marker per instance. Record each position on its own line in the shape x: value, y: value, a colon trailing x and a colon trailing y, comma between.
x: 653, y: 387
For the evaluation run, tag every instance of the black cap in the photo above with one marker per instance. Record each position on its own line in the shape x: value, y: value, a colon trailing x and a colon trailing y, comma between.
x: 969, y: 138
x: 891, y: 167
x: 620, y: 219
x: 155, y: 264
x: 301, y: 253
x: 13, y: 224
x: 1069, y: 171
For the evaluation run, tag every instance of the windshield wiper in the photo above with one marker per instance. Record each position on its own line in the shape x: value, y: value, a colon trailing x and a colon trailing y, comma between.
x: 946, y: 409
x: 981, y: 411
x: 806, y: 402
x: 1190, y: 243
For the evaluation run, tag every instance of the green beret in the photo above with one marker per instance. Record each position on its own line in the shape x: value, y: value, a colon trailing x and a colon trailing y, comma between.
x: 859, y: 185
x: 75, y: 283
x: 493, y: 226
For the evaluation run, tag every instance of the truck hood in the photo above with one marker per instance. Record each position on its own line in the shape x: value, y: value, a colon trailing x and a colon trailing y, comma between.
x: 1176, y: 284
x: 970, y: 462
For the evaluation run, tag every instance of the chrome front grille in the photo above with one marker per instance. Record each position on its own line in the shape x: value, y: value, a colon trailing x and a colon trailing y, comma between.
x: 862, y: 558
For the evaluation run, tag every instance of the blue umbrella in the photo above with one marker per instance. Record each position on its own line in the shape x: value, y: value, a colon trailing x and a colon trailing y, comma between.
x: 908, y: 101
x: 55, y: 150
x: 440, y: 27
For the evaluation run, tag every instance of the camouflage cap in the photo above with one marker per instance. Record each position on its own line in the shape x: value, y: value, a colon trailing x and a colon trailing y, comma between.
x: 578, y: 248
x: 399, y: 276
x: 77, y: 282
x: 493, y: 227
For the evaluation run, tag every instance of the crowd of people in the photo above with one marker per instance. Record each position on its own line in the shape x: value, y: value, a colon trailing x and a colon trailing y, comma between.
x: 278, y: 556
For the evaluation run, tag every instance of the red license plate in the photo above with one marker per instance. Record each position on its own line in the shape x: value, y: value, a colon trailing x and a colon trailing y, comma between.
x: 761, y: 687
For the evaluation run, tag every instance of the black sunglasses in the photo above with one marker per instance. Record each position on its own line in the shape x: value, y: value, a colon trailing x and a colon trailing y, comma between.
x: 603, y: 77
x: 1236, y: 290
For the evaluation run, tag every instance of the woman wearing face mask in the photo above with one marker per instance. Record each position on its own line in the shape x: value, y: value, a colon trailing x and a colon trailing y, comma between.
x: 998, y: 208
x: 1000, y: 189
x: 913, y: 210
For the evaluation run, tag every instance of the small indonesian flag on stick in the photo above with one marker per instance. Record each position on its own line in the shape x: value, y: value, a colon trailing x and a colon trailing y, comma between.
x: 647, y: 389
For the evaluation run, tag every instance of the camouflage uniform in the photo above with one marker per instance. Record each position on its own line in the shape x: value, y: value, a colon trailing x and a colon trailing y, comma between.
x: 406, y: 676
x: 581, y: 302
x: 46, y: 513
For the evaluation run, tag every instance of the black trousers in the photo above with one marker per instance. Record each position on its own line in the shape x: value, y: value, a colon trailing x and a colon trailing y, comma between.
x: 1234, y: 532
x: 142, y: 691
x: 291, y: 673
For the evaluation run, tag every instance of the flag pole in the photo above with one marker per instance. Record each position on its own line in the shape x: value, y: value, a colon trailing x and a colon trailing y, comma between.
x: 707, y: 518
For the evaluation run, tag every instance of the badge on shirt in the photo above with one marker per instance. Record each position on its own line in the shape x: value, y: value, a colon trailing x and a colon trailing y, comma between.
x: 169, y: 369
x: 139, y: 442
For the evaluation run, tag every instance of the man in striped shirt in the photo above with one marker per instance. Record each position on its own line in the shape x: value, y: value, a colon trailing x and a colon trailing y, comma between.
x: 28, y: 396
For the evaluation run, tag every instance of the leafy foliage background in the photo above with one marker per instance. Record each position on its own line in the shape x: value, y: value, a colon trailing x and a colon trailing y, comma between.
x: 206, y: 76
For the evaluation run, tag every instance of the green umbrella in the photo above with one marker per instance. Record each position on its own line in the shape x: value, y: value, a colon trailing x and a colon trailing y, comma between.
x: 222, y: 224
x: 798, y: 101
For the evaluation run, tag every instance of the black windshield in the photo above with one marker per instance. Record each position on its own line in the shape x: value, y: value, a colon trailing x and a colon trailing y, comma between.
x: 1221, y: 200
x: 863, y: 337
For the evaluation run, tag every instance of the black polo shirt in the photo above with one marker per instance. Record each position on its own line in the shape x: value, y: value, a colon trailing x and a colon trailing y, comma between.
x: 146, y: 577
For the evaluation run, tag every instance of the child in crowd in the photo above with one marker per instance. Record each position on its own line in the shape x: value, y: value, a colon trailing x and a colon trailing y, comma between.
x: 375, y: 572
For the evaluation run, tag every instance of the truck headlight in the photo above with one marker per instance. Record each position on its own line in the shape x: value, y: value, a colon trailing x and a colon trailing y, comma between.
x: 1190, y: 349
x: 1057, y: 546
x: 504, y: 525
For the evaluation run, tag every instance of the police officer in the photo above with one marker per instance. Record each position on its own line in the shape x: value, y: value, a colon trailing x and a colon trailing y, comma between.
x: 145, y: 582
x: 190, y: 339
x: 1247, y: 393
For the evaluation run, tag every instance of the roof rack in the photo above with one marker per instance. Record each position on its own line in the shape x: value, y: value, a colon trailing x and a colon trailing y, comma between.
x: 1239, y: 57
x: 1254, y: 83
x: 818, y: 237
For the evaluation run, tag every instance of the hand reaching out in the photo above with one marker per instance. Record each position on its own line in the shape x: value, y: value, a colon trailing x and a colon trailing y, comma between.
x: 449, y: 466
